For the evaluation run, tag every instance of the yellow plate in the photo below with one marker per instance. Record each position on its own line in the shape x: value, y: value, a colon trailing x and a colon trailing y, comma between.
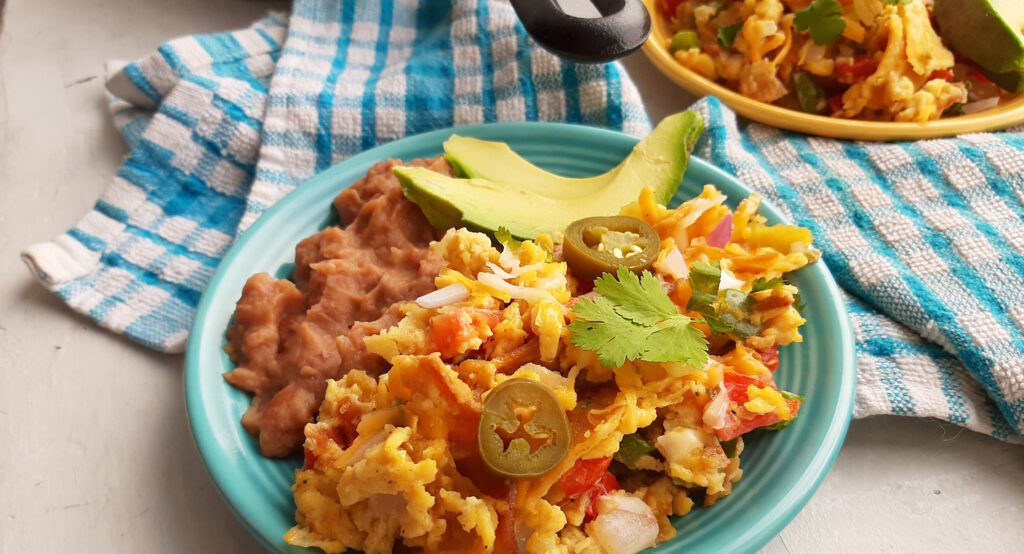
x: 1005, y: 115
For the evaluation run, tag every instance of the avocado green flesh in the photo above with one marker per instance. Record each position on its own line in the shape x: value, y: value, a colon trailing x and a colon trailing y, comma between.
x: 986, y: 31
x: 501, y: 189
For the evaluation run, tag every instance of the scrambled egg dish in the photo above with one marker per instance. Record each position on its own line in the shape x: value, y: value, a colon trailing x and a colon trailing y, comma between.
x: 566, y: 394
x: 865, y: 59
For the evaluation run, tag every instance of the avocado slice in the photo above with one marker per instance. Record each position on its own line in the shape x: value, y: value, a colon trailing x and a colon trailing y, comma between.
x: 501, y: 189
x: 986, y: 31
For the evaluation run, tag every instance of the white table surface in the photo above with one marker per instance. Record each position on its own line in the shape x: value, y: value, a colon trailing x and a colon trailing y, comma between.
x: 95, y: 453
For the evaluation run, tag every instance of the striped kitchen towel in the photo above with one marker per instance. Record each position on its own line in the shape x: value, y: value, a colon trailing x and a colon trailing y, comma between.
x: 927, y: 240
x: 222, y: 126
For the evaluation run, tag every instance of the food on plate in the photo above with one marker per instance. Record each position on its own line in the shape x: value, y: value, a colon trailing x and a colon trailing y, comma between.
x: 540, y: 401
x: 289, y: 336
x: 502, y: 189
x: 989, y: 33
x: 879, y: 60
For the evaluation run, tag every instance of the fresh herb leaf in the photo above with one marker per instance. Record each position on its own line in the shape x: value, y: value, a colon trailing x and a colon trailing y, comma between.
x: 634, y: 319
x: 738, y: 301
x: 504, y: 236
x: 631, y: 449
x: 761, y: 284
x: 704, y: 279
x: 896, y: 2
x: 798, y: 303
x: 727, y: 34
x: 823, y: 19
x: 639, y: 299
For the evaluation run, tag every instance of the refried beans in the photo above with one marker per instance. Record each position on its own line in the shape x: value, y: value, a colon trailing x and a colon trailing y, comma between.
x: 290, y: 336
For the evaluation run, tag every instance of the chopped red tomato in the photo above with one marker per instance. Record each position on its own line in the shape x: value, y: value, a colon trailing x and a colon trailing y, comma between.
x: 669, y: 6
x: 505, y: 534
x: 450, y: 332
x: 310, y: 460
x: 741, y: 421
x: 770, y: 357
x: 944, y: 74
x: 835, y: 103
x: 978, y: 76
x: 605, y: 485
x: 583, y: 475
x: 851, y: 71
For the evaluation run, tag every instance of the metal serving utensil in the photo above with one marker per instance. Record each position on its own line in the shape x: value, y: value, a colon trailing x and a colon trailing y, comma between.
x: 589, y: 31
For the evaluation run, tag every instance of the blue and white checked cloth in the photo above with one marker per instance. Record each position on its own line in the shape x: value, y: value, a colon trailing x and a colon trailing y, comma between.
x: 927, y: 238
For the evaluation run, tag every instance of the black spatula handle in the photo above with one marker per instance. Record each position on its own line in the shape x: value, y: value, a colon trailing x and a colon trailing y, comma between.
x: 622, y: 28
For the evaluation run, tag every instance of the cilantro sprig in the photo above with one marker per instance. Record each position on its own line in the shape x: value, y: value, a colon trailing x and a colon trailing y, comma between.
x: 633, y: 319
x: 823, y: 19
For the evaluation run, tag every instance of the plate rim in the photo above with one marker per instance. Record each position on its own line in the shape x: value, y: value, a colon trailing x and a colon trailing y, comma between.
x: 1000, y: 118
x: 793, y: 501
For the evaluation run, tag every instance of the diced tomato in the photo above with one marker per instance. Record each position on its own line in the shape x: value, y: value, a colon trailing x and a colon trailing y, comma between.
x: 605, y: 485
x: 669, y: 6
x: 743, y: 421
x: 505, y: 535
x: 736, y: 386
x: 978, y: 76
x: 944, y: 74
x: 451, y: 331
x: 835, y: 103
x: 851, y: 71
x: 310, y: 460
x: 583, y: 476
x: 770, y: 357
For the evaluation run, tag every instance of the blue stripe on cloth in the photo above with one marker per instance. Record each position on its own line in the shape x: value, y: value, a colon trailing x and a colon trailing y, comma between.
x: 138, y: 79
x: 430, y: 74
x: 525, y: 69
x: 380, y: 55
x: 486, y: 61
x: 614, y: 96
x: 325, y: 110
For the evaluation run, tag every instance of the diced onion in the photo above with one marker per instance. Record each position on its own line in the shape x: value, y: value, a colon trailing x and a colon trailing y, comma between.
x: 455, y: 292
x: 729, y: 281
x: 513, y: 272
x: 722, y: 233
x: 674, y: 265
x: 980, y: 105
x: 679, y: 443
x: 715, y: 411
x: 531, y: 295
x: 625, y: 524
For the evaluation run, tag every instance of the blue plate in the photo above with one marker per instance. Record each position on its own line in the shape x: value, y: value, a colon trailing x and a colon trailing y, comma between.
x: 781, y: 470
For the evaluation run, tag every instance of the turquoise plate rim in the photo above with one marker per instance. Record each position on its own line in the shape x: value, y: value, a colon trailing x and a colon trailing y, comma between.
x: 226, y: 454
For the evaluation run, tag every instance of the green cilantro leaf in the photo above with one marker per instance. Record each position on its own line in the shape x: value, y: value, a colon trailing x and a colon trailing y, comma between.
x: 798, y: 303
x: 823, y: 19
x: 504, y: 236
x: 704, y: 279
x: 638, y: 299
x: 761, y: 284
x: 727, y: 34
x: 634, y: 319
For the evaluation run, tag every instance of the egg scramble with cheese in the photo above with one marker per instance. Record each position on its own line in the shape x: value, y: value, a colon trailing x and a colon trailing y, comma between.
x: 876, y: 60
x: 601, y: 440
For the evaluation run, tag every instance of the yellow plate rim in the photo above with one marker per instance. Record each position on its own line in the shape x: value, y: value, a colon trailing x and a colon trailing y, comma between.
x: 1002, y: 117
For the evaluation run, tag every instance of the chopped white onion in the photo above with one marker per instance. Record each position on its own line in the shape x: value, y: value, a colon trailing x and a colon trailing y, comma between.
x: 679, y: 443
x: 715, y: 411
x: 514, y: 272
x: 700, y: 205
x: 980, y: 105
x: 624, y: 525
x: 729, y: 281
x: 531, y: 295
x: 674, y: 265
x: 455, y: 292
x: 508, y: 259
